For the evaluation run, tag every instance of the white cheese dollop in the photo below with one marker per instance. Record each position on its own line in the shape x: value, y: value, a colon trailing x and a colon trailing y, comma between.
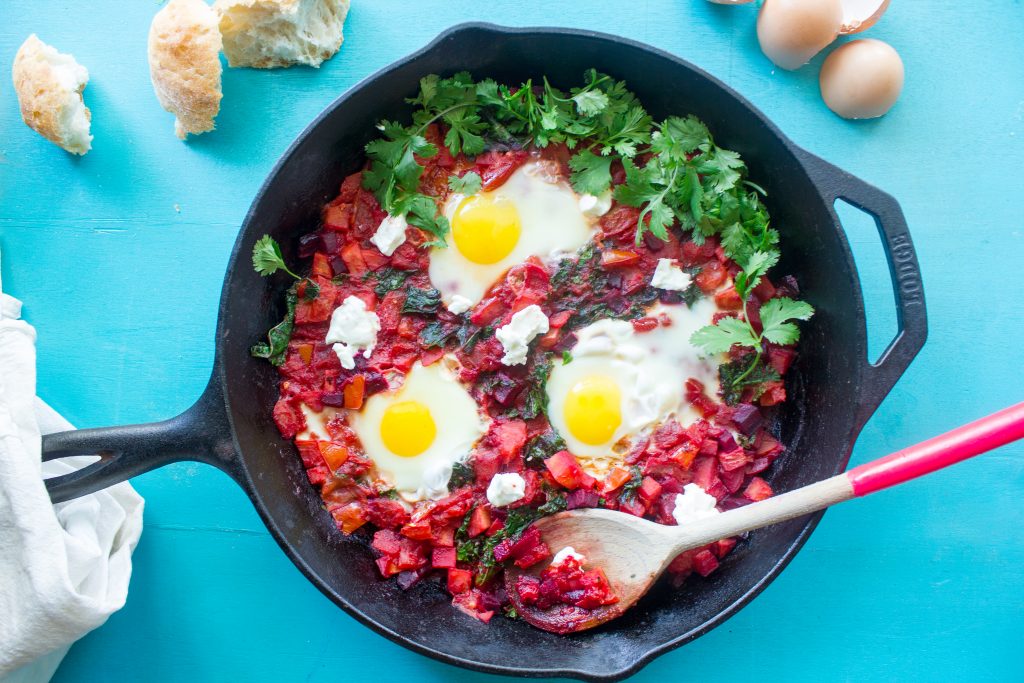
x: 505, y: 489
x: 670, y: 276
x: 694, y: 503
x: 596, y: 206
x: 565, y: 553
x: 435, y: 482
x: 459, y: 304
x: 352, y: 328
x: 390, y: 234
x: 515, y: 337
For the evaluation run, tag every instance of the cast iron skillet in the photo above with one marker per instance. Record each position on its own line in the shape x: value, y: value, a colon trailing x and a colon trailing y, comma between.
x: 833, y: 388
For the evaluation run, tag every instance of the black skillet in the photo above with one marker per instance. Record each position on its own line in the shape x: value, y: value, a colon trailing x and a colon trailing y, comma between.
x: 833, y: 389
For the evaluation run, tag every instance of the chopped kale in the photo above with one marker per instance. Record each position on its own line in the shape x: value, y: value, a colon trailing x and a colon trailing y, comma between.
x: 276, y: 346
x: 436, y: 333
x: 542, y: 447
x: 422, y: 301
x: 736, y: 376
x: 389, y: 279
x: 462, y: 474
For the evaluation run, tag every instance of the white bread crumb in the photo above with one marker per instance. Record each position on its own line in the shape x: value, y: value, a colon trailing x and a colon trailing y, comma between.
x: 49, y: 87
x: 184, y: 64
x: 266, y: 34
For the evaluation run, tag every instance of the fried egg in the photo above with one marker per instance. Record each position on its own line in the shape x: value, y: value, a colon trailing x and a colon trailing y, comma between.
x: 621, y: 383
x: 533, y: 214
x: 415, y: 434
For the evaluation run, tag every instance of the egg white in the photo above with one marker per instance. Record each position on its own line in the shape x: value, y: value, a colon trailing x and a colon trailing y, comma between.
x: 650, y: 370
x: 552, y: 227
x: 456, y: 417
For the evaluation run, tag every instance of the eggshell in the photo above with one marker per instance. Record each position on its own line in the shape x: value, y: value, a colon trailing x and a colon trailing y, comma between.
x: 860, y: 15
x: 862, y: 79
x: 791, y: 32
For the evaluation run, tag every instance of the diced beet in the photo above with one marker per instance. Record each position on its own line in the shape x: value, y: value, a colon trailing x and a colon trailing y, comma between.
x: 308, y: 244
x: 747, y: 417
x: 709, y: 447
x: 736, y: 459
x: 733, y: 480
x: 758, y: 465
x: 649, y: 490
x: 375, y: 383
x: 443, y: 558
x: 338, y: 266
x: 788, y: 286
x: 459, y: 581
x: 410, y: 577
x: 528, y: 589
x: 733, y: 502
x: 387, y: 542
x: 527, y: 541
x: 652, y: 242
x: 581, y: 498
x: 780, y: 358
x: 386, y: 566
x: 536, y: 554
x: 503, y: 550
x: 479, y: 521
x: 726, y: 442
x: 723, y: 547
x: 758, y: 489
x: 335, y: 399
x: 705, y: 473
x: 667, y: 296
x: 682, y: 563
x: 705, y: 562
x: 330, y: 241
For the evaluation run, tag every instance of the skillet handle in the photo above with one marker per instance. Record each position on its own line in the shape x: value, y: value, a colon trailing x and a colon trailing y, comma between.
x: 201, y: 433
x: 912, y: 318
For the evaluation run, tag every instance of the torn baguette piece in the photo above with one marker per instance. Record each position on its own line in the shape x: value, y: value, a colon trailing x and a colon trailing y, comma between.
x: 184, y: 64
x: 266, y: 34
x: 49, y: 87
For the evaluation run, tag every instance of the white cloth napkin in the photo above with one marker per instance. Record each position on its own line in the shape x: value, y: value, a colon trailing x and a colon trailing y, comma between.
x: 63, y: 568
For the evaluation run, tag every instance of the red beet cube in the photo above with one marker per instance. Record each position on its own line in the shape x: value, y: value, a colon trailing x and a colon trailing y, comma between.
x: 723, y: 547
x: 649, y: 490
x: 705, y: 562
x: 459, y: 581
x: 387, y: 542
x: 758, y: 489
x: 443, y: 558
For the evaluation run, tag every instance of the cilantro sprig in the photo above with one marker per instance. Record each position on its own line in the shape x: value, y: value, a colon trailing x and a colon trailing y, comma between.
x: 602, y: 112
x: 777, y: 325
x: 267, y: 258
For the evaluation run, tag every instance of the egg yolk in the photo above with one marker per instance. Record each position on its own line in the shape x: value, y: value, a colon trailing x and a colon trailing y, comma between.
x: 593, y: 410
x: 407, y: 428
x: 485, y: 228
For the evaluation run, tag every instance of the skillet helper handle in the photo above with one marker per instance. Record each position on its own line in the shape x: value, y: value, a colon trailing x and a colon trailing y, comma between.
x: 125, y: 452
x: 941, y: 451
x: 904, y: 269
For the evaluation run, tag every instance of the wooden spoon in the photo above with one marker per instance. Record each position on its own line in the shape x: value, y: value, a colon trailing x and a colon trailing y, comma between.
x: 634, y: 552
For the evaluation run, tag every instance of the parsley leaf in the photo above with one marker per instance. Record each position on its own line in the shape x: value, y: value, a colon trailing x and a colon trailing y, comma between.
x: 267, y: 258
x: 470, y: 183
x: 591, y: 173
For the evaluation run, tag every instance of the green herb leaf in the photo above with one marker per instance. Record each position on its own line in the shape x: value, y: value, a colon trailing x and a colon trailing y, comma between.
x: 462, y: 474
x: 720, y: 338
x: 566, y: 357
x: 736, y: 376
x: 276, y: 346
x: 470, y: 183
x: 267, y: 258
x: 775, y: 317
x: 389, y: 279
x: 591, y: 173
x: 542, y: 447
x: 422, y: 301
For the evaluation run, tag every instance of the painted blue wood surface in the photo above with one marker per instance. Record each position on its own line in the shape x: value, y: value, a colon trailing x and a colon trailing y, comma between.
x: 119, y: 256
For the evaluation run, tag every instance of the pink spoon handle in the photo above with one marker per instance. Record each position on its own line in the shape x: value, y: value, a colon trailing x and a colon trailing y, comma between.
x: 941, y: 451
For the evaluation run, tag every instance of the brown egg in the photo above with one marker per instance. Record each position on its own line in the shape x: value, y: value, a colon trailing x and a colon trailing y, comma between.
x: 791, y: 32
x: 860, y: 15
x: 862, y: 79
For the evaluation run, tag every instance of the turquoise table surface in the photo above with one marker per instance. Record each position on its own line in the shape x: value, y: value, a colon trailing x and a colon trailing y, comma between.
x: 118, y: 257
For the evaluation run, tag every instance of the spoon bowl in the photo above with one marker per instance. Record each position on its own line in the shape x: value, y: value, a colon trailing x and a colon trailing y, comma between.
x: 633, y: 552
